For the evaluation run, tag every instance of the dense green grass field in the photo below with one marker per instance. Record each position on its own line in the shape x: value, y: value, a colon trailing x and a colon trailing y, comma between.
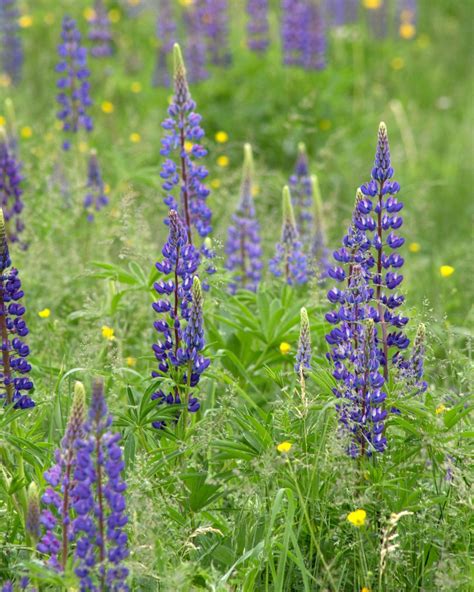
x: 217, y: 506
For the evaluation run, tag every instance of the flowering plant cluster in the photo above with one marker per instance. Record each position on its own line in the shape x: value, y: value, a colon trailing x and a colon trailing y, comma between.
x: 99, y: 32
x: 11, y: 49
x: 11, y: 190
x: 257, y: 25
x: 95, y: 198
x: 166, y: 37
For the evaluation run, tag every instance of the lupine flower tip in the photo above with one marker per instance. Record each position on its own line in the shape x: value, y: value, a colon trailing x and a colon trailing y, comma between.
x: 288, y: 213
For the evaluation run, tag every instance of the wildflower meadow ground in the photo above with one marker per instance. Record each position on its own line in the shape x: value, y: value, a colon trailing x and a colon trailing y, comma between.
x: 236, y: 295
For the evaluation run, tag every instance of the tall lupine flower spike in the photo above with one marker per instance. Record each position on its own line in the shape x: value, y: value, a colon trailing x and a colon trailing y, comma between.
x: 14, y: 383
x: 11, y: 190
x: 214, y: 15
x: 73, y: 84
x: 179, y: 266
x: 56, y: 518
x: 33, y: 515
x: 243, y: 247
x: 381, y: 203
x: 99, y: 503
x: 342, y: 12
x: 303, y: 355
x: 99, y: 32
x: 257, y: 25
x: 292, y: 24
x: 95, y: 199
x: 195, y: 49
x: 166, y: 36
x: 314, y: 38
x: 289, y: 261
x: 319, y: 250
x: 180, y: 145
x: 11, y: 49
x: 302, y: 196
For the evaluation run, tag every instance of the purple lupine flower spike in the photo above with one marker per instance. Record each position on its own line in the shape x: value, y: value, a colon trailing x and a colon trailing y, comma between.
x: 33, y: 515
x: 383, y: 206
x: 166, y: 36
x: 302, y: 196
x: 73, y: 84
x: 180, y: 146
x: 178, y: 267
x: 289, y: 261
x: 56, y: 518
x: 314, y: 38
x: 377, y: 18
x: 11, y: 190
x: 303, y: 355
x: 99, y: 503
x: 319, y: 250
x: 99, y: 32
x: 195, y: 49
x: 11, y: 49
x: 243, y: 246
x: 292, y: 24
x: 95, y: 198
x: 214, y: 16
x: 14, y: 383
x: 257, y: 25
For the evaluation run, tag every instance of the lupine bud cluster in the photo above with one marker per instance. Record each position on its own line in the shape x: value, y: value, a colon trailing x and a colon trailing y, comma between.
x: 73, y: 84
x: 166, y: 36
x: 10, y: 190
x: 95, y: 198
x: 243, y: 246
x: 180, y: 322
x: 180, y: 144
x: 257, y: 25
x: 15, y: 385
x: 303, y: 354
x: 11, y: 49
x: 290, y: 261
x: 99, y: 32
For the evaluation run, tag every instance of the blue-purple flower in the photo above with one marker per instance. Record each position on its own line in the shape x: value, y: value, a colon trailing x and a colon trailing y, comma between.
x: 99, y: 32
x: 313, y: 37
x: 73, y: 97
x: 195, y: 49
x: 257, y: 25
x: 11, y: 49
x: 95, y: 198
x: 243, y: 246
x: 166, y: 36
x: 11, y: 190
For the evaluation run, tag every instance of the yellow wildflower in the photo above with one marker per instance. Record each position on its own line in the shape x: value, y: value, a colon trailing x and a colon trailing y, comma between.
x: 223, y: 161
x: 114, y: 15
x: 407, y: 31
x: 446, y: 270
x: 106, y: 189
x: 372, y: 4
x: 83, y: 147
x: 136, y: 87
x: 3, y: 121
x: 215, y: 183
x: 25, y: 21
x: 188, y: 146
x: 131, y: 361
x: 325, y: 125
x: 89, y: 13
x: 365, y: 589
x: 357, y: 518
x: 255, y: 190
x: 135, y: 138
x: 186, y: 2
x: 285, y: 348
x: 415, y: 247
x: 107, y: 107
x: 397, y: 63
x: 440, y: 409
x: 108, y: 333
x: 284, y: 447
x: 45, y: 313
x: 26, y: 132
x: 221, y: 137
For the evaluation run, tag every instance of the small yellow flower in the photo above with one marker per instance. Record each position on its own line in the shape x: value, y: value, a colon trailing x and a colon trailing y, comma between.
x: 3, y: 121
x: 446, y: 270
x: 186, y: 2
x: 45, y: 313
x: 136, y: 87
x: 25, y: 21
x: 83, y: 147
x: 255, y: 190
x: 135, y: 138
x: 372, y: 4
x: 365, y: 589
x: 88, y: 13
x: 223, y: 161
x: 357, y: 518
x: 284, y: 447
x: 285, y: 348
x: 5, y: 80
x: 215, y: 183
x: 131, y: 361
x: 407, y: 31
x: 325, y: 125
x: 106, y: 189
x: 188, y: 146
x: 26, y: 132
x: 423, y: 41
x: 397, y: 63
x: 415, y: 247
x: 48, y: 18
x: 108, y: 333
x: 221, y: 137
x: 114, y: 15
x: 107, y: 107
x: 440, y: 409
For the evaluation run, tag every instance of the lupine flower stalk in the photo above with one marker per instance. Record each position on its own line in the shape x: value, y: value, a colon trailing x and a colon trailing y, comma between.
x: 11, y: 49
x: 303, y: 354
x: 292, y: 25
x: 257, y: 25
x: 243, y: 247
x: 195, y: 49
x: 314, y: 37
x: 215, y: 22
x: 14, y: 382
x: 73, y: 84
x: 290, y: 260
x: 319, y: 250
x: 33, y: 514
x: 95, y: 198
x: 179, y: 304
x: 57, y: 516
x: 342, y: 12
x: 180, y: 145
x: 166, y: 36
x: 11, y: 190
x: 99, y: 32
x: 381, y: 203
x: 99, y: 502
x: 302, y: 196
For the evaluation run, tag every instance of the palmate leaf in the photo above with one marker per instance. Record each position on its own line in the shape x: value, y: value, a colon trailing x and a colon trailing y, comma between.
x: 201, y: 492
